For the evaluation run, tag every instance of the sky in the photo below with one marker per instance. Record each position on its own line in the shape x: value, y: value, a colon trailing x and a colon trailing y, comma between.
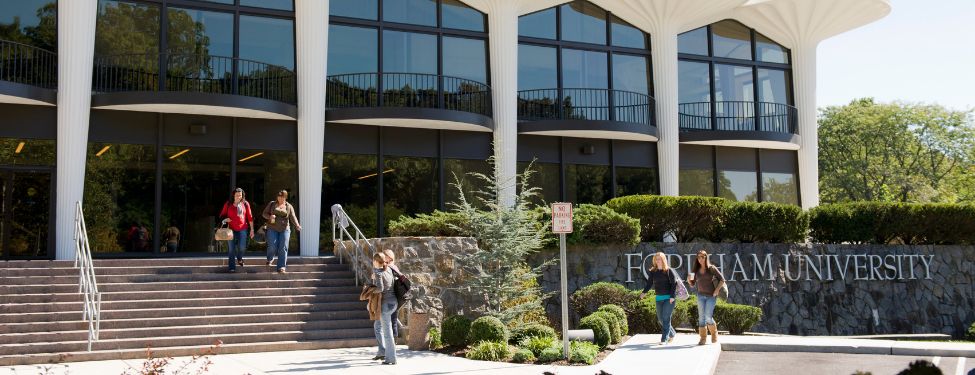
x: 923, y: 51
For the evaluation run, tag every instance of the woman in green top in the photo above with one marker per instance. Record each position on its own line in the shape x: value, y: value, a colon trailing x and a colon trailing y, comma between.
x: 664, y: 282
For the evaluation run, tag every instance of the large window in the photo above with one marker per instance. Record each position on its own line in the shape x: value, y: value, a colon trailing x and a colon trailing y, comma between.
x: 23, y: 151
x: 346, y: 180
x: 410, y: 186
x: 739, y: 174
x: 458, y: 173
x: 31, y: 22
x: 588, y: 184
x: 262, y: 173
x: 119, y: 191
x: 196, y: 184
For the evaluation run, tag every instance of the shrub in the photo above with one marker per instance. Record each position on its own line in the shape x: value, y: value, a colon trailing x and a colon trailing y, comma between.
x: 594, y: 225
x: 764, y: 222
x: 531, y: 330
x: 489, y: 328
x: 970, y: 335
x: 523, y: 355
x: 646, y: 311
x: 583, y: 351
x: 586, y: 300
x: 737, y: 319
x: 538, y: 344
x: 615, y: 334
x: 893, y: 222
x: 653, y: 212
x: 435, y: 338
x: 489, y: 351
x: 437, y: 224
x: 620, y: 317
x: 686, y: 217
x: 599, y: 327
x: 456, y: 330
x: 551, y: 354
x: 690, y: 307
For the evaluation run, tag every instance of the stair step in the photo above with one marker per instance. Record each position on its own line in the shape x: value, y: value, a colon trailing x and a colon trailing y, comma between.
x: 332, y: 295
x: 172, y: 294
x: 178, y: 286
x: 171, y: 270
x: 264, y: 317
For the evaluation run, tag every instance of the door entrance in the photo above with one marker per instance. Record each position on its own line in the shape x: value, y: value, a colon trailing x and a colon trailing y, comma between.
x: 26, y: 223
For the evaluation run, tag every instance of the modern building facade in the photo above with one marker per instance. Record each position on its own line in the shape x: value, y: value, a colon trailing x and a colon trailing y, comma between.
x: 151, y: 111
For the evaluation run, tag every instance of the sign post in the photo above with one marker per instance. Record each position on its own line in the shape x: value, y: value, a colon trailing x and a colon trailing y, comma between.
x: 562, y: 224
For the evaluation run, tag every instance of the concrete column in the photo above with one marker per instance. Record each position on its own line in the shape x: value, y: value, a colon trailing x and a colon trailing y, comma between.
x: 663, y: 39
x: 312, y: 49
x: 804, y: 75
x: 76, y: 48
x: 503, y: 42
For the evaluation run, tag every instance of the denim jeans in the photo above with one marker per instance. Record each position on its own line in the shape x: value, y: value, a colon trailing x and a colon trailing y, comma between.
x: 237, y: 246
x: 277, y: 242
x: 394, y: 322
x: 171, y: 247
x: 384, y: 331
x: 705, y: 310
x: 665, y: 309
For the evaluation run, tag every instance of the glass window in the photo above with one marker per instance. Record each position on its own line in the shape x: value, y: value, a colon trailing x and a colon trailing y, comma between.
x: 625, y: 35
x: 262, y: 173
x: 780, y: 188
x: 31, y: 22
x: 120, y: 189
x: 23, y: 151
x: 583, y: 22
x: 458, y: 170
x: 405, y: 52
x: 545, y: 177
x: 773, y: 86
x: 694, y: 95
x: 268, y: 40
x: 537, y: 68
x: 409, y: 186
x: 769, y: 51
x: 631, y: 73
x: 457, y: 15
x: 733, y: 83
x: 126, y: 28
x: 696, y: 182
x: 29, y: 214
x: 738, y: 186
x: 538, y: 24
x: 231, y: 2
x: 588, y: 184
x: 350, y: 180
x: 365, y: 9
x: 465, y: 58
x: 191, y: 31
x: 693, y: 42
x: 417, y: 12
x: 732, y: 40
x: 196, y: 184
x: 352, y: 50
x: 584, y: 69
x: 636, y: 181
x: 270, y: 4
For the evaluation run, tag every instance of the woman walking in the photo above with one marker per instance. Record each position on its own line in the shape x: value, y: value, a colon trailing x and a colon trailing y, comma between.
x: 390, y: 262
x: 237, y: 212
x: 279, y: 214
x: 704, y: 275
x: 664, y: 282
x: 382, y: 277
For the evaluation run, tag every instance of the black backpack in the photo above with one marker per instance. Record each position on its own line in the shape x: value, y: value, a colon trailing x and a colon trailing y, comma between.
x: 140, y: 236
x: 402, y: 287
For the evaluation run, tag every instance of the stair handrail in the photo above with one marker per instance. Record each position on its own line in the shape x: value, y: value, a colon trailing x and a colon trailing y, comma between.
x: 87, y: 285
x: 340, y: 222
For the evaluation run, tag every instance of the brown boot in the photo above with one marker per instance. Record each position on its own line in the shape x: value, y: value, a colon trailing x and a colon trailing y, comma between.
x: 704, y: 335
x: 714, y: 332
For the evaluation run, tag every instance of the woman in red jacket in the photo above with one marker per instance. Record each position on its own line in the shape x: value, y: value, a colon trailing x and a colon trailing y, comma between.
x: 237, y: 212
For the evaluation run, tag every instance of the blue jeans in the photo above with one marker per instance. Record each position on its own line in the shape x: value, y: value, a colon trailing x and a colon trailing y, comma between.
x: 171, y: 247
x: 384, y: 331
x: 237, y: 246
x: 705, y: 310
x: 277, y: 242
x: 665, y: 309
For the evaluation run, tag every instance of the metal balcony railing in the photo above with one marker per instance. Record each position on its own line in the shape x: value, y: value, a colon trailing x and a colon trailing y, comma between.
x: 742, y: 116
x: 585, y: 104
x: 29, y: 65
x: 408, y: 90
x: 194, y: 73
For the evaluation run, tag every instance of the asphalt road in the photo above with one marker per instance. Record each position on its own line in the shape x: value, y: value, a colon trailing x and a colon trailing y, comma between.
x: 750, y: 363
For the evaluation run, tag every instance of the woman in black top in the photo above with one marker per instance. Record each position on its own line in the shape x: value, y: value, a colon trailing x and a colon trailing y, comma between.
x: 664, y: 282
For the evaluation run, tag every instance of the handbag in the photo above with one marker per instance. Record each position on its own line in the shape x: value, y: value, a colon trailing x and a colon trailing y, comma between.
x: 723, y: 292
x: 682, y: 293
x: 401, y: 286
x: 223, y: 234
x: 260, y: 236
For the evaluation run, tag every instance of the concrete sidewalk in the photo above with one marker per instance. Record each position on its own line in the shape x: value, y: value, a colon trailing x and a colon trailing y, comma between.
x: 840, y: 345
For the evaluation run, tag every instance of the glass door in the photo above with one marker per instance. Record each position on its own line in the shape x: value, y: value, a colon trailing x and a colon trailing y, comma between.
x: 26, y: 220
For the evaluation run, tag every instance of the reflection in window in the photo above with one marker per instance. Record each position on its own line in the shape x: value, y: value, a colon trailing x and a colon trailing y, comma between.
x: 126, y: 28
x: 538, y: 24
x: 344, y: 182
x: 588, y: 184
x: 29, y: 213
x: 625, y: 35
x: 583, y: 22
x: 23, y: 151
x: 780, y: 188
x: 31, y: 22
x: 459, y: 170
x: 769, y: 51
x: 773, y: 86
x: 195, y: 185
x: 693, y: 82
x: 546, y: 177
x: 696, y: 182
x: 732, y: 40
x: 352, y: 50
x: 584, y: 69
x: 457, y: 15
x: 464, y: 58
x: 270, y: 4
x: 636, y: 181
x: 262, y: 173
x: 120, y: 182
x: 693, y: 42
x: 405, y: 52
x: 191, y: 31
x: 631, y: 73
x: 738, y: 186
x: 417, y: 12
x: 268, y: 40
x: 409, y: 186
x: 733, y: 83
x: 537, y: 67
x: 365, y: 9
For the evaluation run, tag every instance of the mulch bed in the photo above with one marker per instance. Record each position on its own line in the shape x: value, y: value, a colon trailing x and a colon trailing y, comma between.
x: 461, y: 351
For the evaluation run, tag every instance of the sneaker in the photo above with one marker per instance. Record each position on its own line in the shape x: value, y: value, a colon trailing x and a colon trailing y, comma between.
x: 282, y: 271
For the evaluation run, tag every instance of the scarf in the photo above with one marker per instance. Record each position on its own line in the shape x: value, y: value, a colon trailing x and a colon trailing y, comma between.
x: 240, y: 209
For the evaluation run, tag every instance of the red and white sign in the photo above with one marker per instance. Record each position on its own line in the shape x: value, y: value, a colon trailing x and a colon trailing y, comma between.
x: 562, y: 217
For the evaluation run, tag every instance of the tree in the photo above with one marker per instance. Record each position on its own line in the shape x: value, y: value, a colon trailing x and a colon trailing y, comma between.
x: 920, y: 152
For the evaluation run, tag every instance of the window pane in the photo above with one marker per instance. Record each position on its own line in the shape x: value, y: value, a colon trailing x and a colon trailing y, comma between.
x: 457, y: 15
x: 693, y: 42
x: 538, y: 25
x: 120, y: 188
x: 465, y: 58
x: 352, y: 50
x: 31, y: 22
x: 696, y: 182
x: 409, y: 186
x: 769, y: 51
x: 231, y: 2
x: 547, y: 179
x: 267, y: 40
x: 270, y: 4
x: 126, y: 28
x: 584, y: 69
x: 409, y: 52
x: 342, y: 183
x: 636, y: 181
x: 29, y: 216
x: 196, y: 184
x: 583, y: 22
x: 365, y: 9
x: 625, y: 35
x: 191, y: 31
x: 780, y: 188
x: 773, y: 86
x: 694, y: 95
x: 587, y: 184
x: 471, y: 185
x: 417, y: 12
x: 732, y: 39
x: 738, y: 186
x: 631, y: 73
x: 537, y: 67
x: 262, y: 173
x: 22, y: 151
x: 733, y: 83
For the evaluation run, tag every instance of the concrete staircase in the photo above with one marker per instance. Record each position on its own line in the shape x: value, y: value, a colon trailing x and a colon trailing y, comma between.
x: 179, y: 307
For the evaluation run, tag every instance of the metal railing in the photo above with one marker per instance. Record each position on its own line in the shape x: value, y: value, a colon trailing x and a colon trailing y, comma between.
x: 408, y: 90
x: 194, y: 73
x: 747, y: 116
x: 585, y: 104
x: 87, y: 286
x: 29, y: 65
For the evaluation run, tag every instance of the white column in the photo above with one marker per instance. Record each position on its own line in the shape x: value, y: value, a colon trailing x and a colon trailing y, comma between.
x: 664, y: 43
x: 76, y: 48
x: 312, y: 49
x: 503, y: 26
x: 804, y: 73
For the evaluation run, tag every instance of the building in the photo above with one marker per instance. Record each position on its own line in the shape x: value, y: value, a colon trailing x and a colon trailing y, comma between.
x: 153, y: 110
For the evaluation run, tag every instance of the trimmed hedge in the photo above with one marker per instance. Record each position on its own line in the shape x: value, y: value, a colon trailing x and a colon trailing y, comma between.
x: 738, y: 319
x: 437, y: 224
x: 593, y: 225
x: 599, y: 327
x: 590, y: 298
x: 489, y: 328
x: 686, y: 217
x: 620, y: 316
x: 764, y: 222
x: 456, y: 330
x: 615, y: 334
x: 893, y: 222
x: 489, y: 351
x: 531, y: 330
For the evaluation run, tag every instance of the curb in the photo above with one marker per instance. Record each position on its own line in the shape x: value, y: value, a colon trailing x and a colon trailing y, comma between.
x: 859, y: 347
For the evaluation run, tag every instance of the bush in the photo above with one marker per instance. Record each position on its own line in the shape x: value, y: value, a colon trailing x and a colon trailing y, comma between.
x: 551, y: 354
x: 615, y: 334
x: 523, y: 355
x: 531, y: 330
x: 737, y: 319
x: 686, y: 217
x: 435, y: 338
x: 537, y: 344
x: 583, y: 351
x: 893, y: 222
x: 764, y: 222
x: 646, y: 311
x: 489, y: 328
x: 437, y: 224
x: 620, y: 317
x: 588, y: 299
x: 970, y: 335
x: 653, y: 212
x: 489, y: 351
x: 594, y: 225
x: 599, y: 327
x: 690, y: 306
x: 456, y: 330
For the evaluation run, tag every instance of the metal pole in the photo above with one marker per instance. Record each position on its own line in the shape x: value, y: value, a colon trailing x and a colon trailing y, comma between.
x: 565, y: 295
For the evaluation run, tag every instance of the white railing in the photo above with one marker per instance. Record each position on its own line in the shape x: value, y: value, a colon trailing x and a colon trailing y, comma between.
x: 87, y: 285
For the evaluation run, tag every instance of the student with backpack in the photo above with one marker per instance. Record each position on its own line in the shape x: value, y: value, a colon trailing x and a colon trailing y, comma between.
x: 139, y: 237
x: 237, y: 213
x: 710, y: 283
x: 664, y: 281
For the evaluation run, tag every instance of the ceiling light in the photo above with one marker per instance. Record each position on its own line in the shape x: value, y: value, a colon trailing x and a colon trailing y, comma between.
x: 103, y: 151
x: 180, y: 153
x: 252, y: 156
x: 324, y: 168
x: 19, y: 147
x: 389, y: 170
x: 374, y: 174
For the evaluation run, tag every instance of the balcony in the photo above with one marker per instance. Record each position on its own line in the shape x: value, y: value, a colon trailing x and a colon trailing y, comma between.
x: 587, y: 113
x: 194, y: 84
x: 739, y: 124
x: 28, y: 75
x: 409, y: 100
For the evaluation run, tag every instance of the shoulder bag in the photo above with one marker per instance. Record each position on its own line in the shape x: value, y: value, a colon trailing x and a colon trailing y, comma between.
x: 401, y: 286
x: 681, y: 292
x: 723, y: 292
